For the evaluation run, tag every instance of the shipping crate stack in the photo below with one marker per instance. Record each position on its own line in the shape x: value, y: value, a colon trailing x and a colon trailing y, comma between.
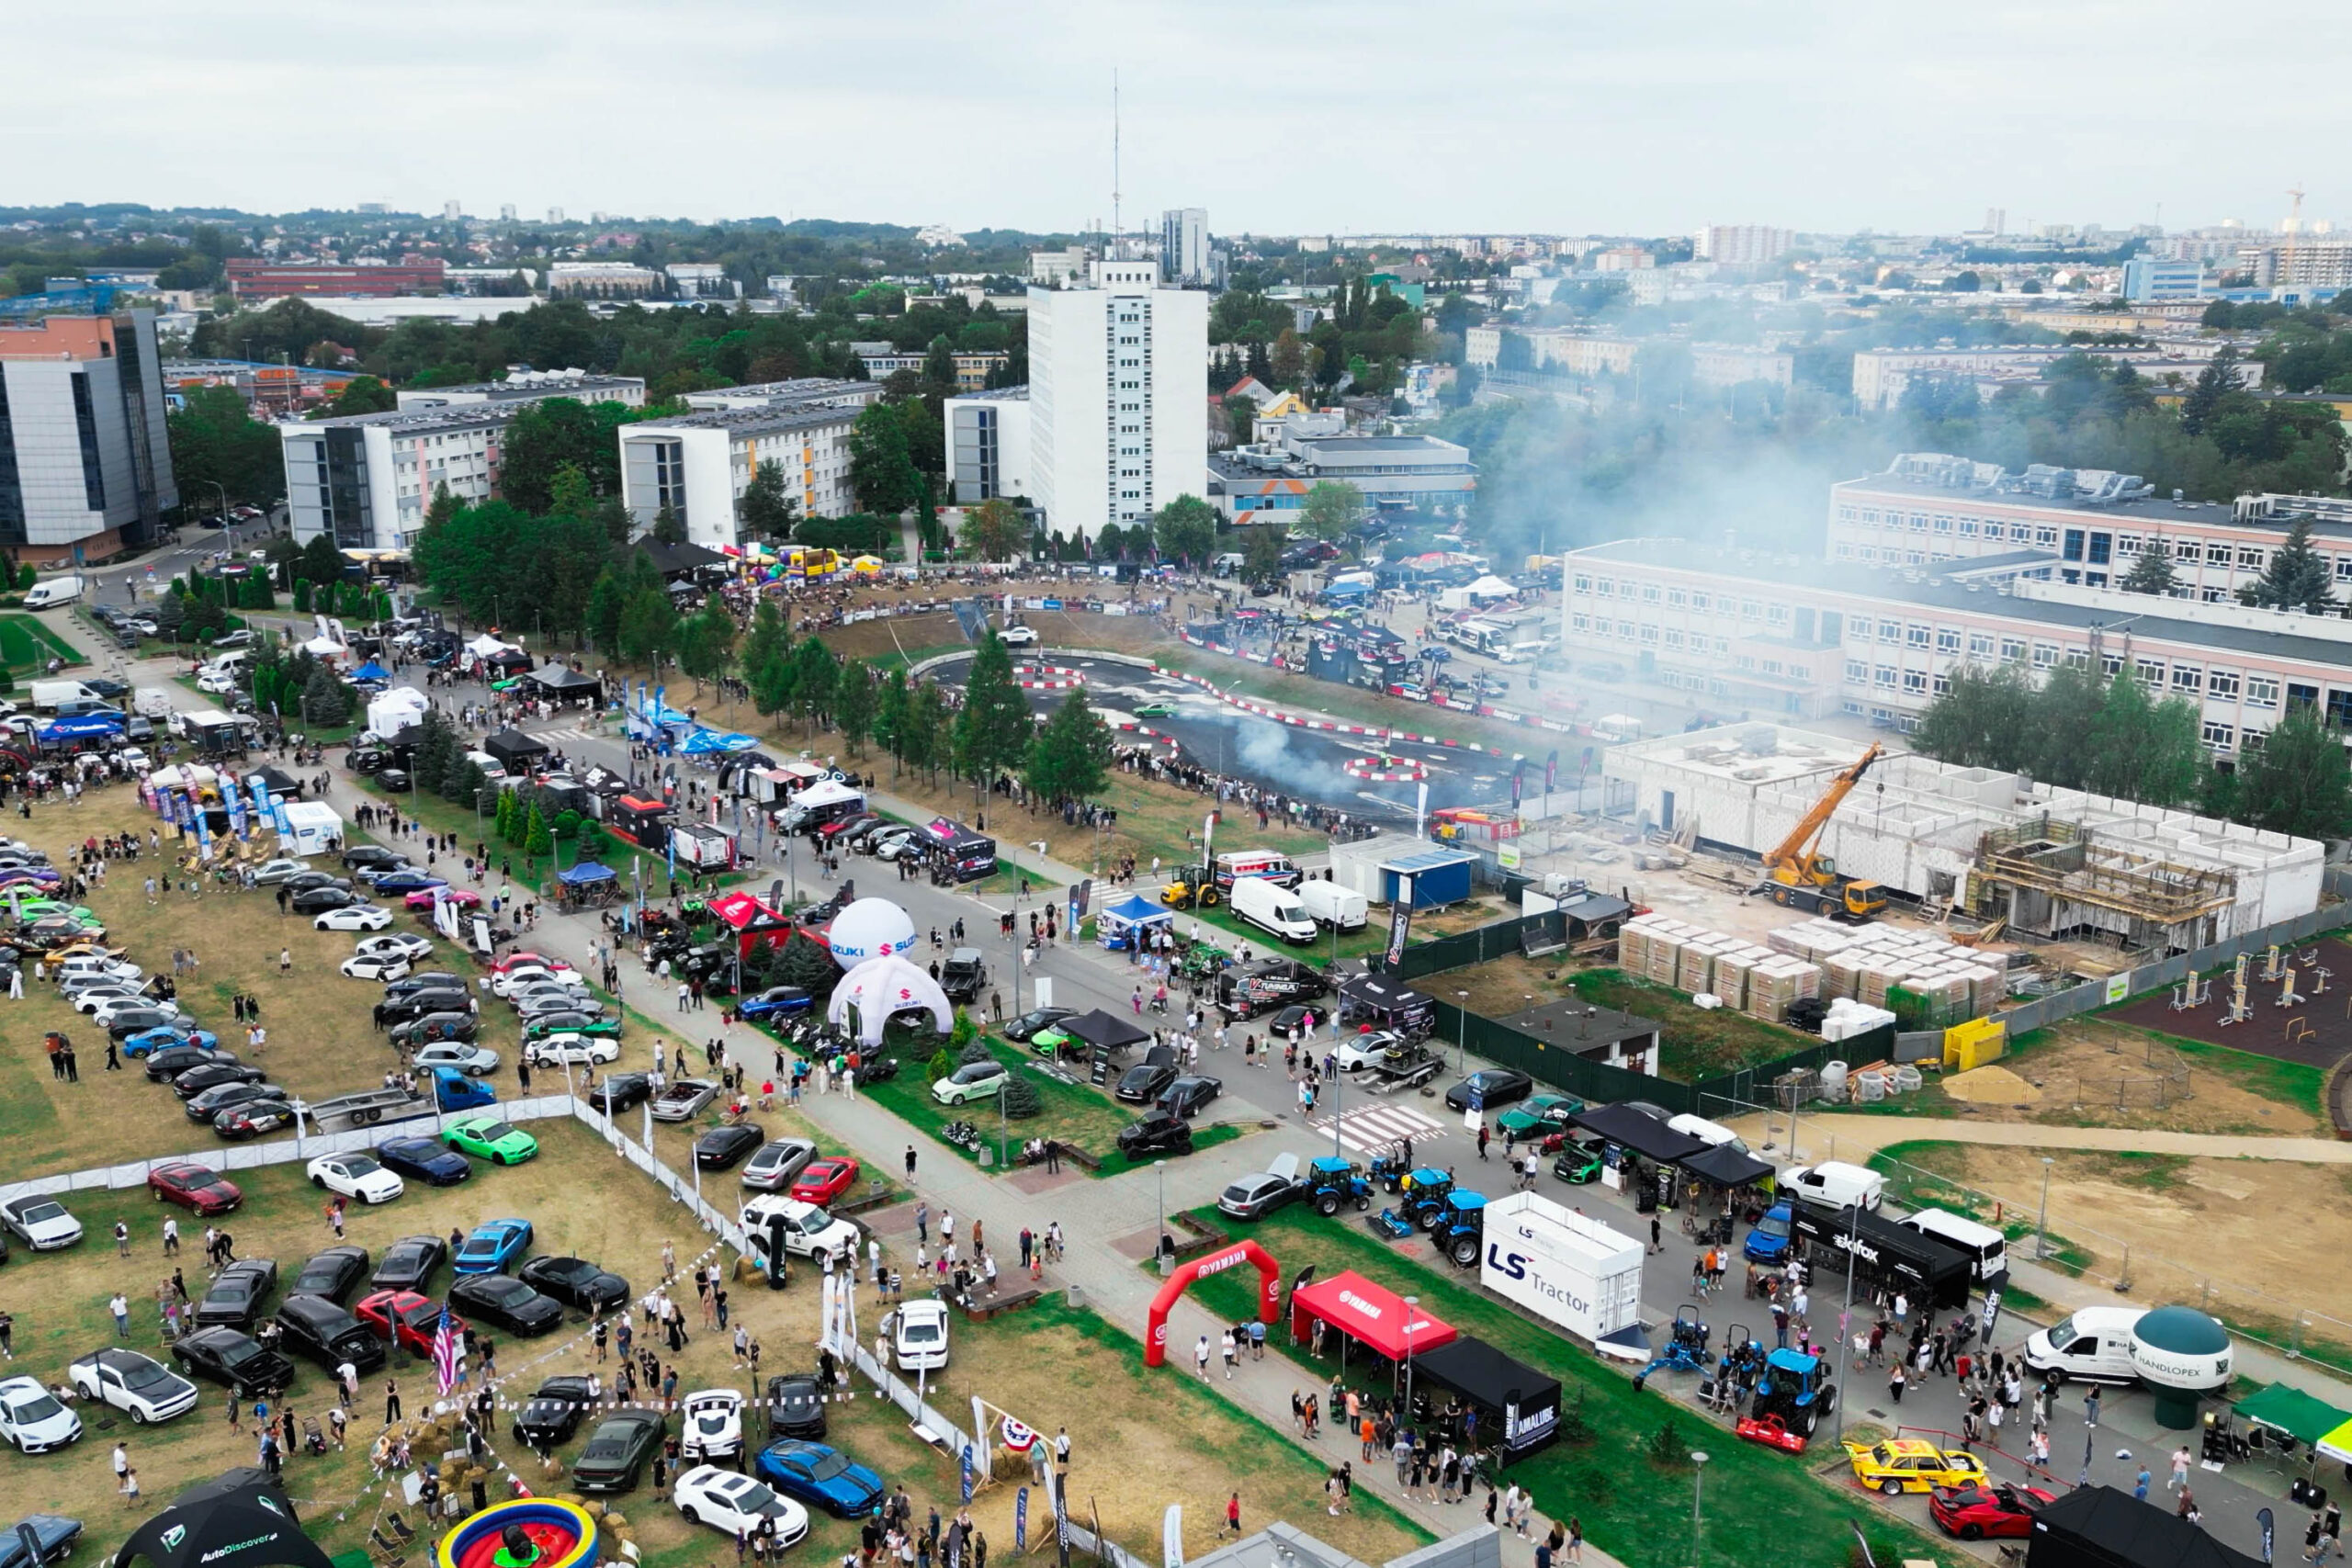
x: 1867, y: 962
x: 1746, y: 975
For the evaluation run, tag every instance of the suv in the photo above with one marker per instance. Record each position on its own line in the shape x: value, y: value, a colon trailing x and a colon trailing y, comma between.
x: 964, y: 974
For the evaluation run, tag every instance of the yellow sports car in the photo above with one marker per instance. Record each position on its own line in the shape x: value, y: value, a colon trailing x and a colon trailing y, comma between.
x: 1906, y: 1464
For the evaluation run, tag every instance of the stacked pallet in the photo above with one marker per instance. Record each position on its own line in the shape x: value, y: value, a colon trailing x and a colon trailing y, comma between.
x: 1867, y: 962
x: 1746, y: 975
x: 1774, y: 985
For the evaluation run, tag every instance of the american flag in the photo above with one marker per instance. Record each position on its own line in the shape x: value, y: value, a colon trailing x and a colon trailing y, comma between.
x: 446, y: 1351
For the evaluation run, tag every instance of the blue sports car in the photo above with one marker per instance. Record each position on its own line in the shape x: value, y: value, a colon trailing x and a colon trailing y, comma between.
x: 408, y: 882
x: 493, y: 1246
x: 776, y: 1001
x: 821, y: 1477
x: 424, y: 1160
x: 165, y: 1038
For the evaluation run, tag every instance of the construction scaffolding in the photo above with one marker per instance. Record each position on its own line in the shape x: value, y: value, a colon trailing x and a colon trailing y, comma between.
x: 2051, y: 877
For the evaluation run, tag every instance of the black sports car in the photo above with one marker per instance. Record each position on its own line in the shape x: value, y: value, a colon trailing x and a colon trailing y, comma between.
x: 424, y: 1160
x: 220, y: 1096
x: 1145, y: 1081
x: 1191, y: 1096
x: 797, y: 1407
x: 237, y: 1294
x: 621, y: 1091
x: 319, y: 900
x: 1029, y: 1022
x: 617, y: 1450
x: 409, y: 1263
x: 212, y: 1073
x: 166, y: 1065
x: 318, y: 1328
x: 1489, y: 1087
x: 424, y: 1004
x: 574, y: 1281
x: 331, y: 1274
x: 1159, y: 1132
x: 722, y: 1149
x: 233, y: 1360
x: 552, y: 1415
x: 506, y: 1301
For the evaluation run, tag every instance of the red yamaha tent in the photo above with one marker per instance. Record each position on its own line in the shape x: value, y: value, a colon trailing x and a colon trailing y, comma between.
x: 752, y: 922
x: 1368, y: 1314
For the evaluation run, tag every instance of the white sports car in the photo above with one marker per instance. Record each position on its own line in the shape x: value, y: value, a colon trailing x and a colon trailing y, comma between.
x: 41, y: 1223
x: 374, y: 966
x: 354, y: 917
x: 575, y: 1049
x: 130, y: 1381
x: 356, y: 1176
x: 31, y: 1417
x: 405, y: 945
x: 732, y: 1504
x: 714, y: 1425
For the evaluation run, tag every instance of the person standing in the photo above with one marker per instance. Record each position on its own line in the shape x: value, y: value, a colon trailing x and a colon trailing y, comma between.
x: 1201, y: 1358
x: 1895, y: 1381
x: 391, y: 1401
x: 2180, y: 1460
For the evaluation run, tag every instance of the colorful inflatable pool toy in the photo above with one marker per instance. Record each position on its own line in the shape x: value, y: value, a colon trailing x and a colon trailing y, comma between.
x: 529, y: 1532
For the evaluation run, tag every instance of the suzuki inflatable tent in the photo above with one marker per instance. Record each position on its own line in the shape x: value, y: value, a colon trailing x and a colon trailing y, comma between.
x: 881, y: 988
x: 1372, y: 1315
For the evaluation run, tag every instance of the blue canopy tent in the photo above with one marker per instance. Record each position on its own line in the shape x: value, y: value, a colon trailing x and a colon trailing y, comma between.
x: 708, y: 743
x: 1347, y: 591
x: 81, y: 727
x: 1119, y: 926
x: 586, y: 873
x: 371, y: 670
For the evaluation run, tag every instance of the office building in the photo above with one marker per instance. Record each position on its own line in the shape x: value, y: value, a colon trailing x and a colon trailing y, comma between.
x: 253, y: 279
x: 366, y: 481
x: 1119, y: 423
x: 697, y: 464
x: 1268, y: 481
x: 85, y: 468
x: 2147, y: 279
x: 987, y: 445
x: 1184, y: 245
x: 1053, y: 268
x: 1741, y: 244
x: 602, y: 280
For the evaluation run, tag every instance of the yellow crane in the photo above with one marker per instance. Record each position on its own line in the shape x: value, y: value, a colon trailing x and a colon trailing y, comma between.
x: 1802, y: 879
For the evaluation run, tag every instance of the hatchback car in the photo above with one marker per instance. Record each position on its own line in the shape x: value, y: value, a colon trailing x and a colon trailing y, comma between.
x: 1029, y: 1023
x: 973, y: 1080
x: 1144, y: 1082
x: 1189, y: 1096
x: 822, y: 1181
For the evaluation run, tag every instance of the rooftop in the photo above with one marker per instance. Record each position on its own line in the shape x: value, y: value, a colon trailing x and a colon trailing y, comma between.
x: 994, y: 395
x: 1578, y: 1025
x: 530, y: 384
x: 749, y: 420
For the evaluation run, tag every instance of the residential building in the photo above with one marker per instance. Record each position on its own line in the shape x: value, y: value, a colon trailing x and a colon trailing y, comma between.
x: 697, y: 464
x: 1742, y: 244
x: 253, y: 279
x: 2307, y: 262
x: 1119, y: 423
x: 85, y: 467
x: 452, y: 210
x: 506, y: 212
x: 555, y: 214
x: 1268, y: 481
x: 973, y: 367
x: 702, y: 280
x: 1882, y: 375
x: 2149, y: 278
x: 1623, y: 258
x: 602, y: 279
x: 1184, y: 245
x: 938, y: 236
x: 529, y: 387
x: 1732, y: 365
x: 987, y: 445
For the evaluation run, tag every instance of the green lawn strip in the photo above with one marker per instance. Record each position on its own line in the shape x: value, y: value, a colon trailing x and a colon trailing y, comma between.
x: 27, y: 644
x: 1700, y: 1041
x: 1072, y: 1113
x: 1631, y: 1506
x: 2289, y: 1083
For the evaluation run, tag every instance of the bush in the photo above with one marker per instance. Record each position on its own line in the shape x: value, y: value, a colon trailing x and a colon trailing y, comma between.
x: 973, y: 1051
x: 1574, y: 1426
x: 940, y: 1065
x: 1021, y: 1099
x: 1667, y: 1448
x: 963, y: 1032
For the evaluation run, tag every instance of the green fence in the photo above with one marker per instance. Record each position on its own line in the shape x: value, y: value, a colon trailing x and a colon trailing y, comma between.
x: 1547, y: 1063
x: 1498, y: 940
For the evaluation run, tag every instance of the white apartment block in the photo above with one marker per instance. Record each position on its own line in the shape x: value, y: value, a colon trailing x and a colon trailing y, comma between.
x: 528, y: 387
x: 989, y: 444
x: 1563, y: 350
x: 698, y: 464
x: 1882, y: 375
x: 2315, y: 264
x: 1119, y: 415
x: 1742, y: 244
x: 1184, y: 245
x: 603, y: 279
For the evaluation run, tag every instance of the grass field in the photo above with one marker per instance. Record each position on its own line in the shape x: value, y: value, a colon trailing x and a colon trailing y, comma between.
x: 1631, y: 1505
x: 1073, y: 1113
x: 27, y: 644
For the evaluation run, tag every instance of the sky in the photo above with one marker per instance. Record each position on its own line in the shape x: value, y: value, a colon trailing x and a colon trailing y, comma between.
x: 1304, y: 116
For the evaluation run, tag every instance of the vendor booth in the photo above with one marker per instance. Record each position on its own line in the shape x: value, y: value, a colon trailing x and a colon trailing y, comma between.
x: 565, y: 683
x: 309, y: 827
x: 1643, y: 1154
x: 2099, y: 1527
x: 645, y: 823
x: 1368, y: 1314
x: 1714, y: 1181
x: 1122, y: 925
x: 1104, y: 1035
x: 587, y: 885
x: 753, y: 923
x: 955, y: 852
x: 391, y: 712
x: 1511, y: 1396
x: 518, y: 753
x: 1385, y: 1004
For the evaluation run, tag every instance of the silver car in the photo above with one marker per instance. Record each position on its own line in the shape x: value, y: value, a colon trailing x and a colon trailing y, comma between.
x: 773, y: 1166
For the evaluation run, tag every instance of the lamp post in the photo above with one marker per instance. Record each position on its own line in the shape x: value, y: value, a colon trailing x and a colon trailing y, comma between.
x: 1461, y: 1031
x: 1159, y: 1237
x: 2041, y: 1225
x: 1845, y: 1327
x: 1697, y: 1496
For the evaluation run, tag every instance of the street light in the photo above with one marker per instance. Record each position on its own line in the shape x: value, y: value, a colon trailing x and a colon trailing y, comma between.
x: 1159, y: 1237
x: 1845, y: 1324
x: 2041, y: 1225
x: 1461, y: 1030
x: 1698, y: 1494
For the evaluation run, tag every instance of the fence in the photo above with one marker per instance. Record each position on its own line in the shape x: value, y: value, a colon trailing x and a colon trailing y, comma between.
x: 1497, y: 939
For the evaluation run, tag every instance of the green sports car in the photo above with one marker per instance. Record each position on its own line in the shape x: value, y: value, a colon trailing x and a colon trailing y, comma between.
x: 1539, y: 1115
x: 32, y: 910
x: 487, y: 1138
x: 595, y: 1025
x: 1052, y: 1042
x: 1155, y: 710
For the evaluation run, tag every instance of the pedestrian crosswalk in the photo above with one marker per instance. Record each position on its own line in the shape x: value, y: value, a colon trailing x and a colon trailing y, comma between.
x: 1368, y: 1129
x: 573, y: 733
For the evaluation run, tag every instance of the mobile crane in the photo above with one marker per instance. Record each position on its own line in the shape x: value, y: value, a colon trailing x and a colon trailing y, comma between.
x: 1795, y: 875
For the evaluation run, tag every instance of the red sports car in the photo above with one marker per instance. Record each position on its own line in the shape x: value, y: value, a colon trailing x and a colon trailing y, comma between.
x: 193, y: 1187
x: 1974, y: 1513
x: 822, y: 1181
x: 517, y: 960
x: 425, y: 897
x: 413, y: 1318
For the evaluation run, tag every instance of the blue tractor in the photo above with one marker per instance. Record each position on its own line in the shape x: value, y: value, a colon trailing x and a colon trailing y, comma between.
x: 1424, y: 1192
x: 1685, y: 1350
x: 1793, y: 1394
x: 1331, y: 1181
x: 1460, y: 1230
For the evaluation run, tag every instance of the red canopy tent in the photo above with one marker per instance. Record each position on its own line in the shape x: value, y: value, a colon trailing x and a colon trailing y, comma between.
x: 752, y: 922
x: 1370, y: 1314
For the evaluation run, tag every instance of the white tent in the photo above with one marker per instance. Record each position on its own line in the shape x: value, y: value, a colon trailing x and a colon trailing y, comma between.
x: 391, y: 712
x: 326, y: 648
x: 882, y: 986
x: 485, y: 645
x: 828, y: 791
x: 1492, y: 588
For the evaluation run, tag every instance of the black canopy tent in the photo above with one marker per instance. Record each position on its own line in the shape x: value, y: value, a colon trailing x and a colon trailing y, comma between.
x: 515, y: 750
x: 1720, y: 1165
x: 2099, y: 1527
x: 1640, y: 1132
x: 1100, y: 1028
x: 562, y: 681
x: 1511, y: 1397
x: 242, y: 1516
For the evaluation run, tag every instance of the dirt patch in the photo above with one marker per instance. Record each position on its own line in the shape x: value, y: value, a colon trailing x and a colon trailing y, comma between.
x: 2097, y: 1072
x: 894, y: 635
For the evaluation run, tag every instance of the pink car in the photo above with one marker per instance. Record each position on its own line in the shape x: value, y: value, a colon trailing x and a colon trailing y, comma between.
x: 425, y: 897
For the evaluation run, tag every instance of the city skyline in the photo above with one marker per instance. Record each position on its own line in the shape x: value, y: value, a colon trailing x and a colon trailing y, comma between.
x: 1685, y: 115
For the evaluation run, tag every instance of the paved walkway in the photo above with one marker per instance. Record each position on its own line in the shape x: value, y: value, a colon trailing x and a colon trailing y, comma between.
x: 1855, y: 1138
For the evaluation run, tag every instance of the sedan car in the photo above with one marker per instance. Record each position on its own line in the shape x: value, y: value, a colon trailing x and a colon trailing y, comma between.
x: 1978, y: 1512
x: 331, y: 1275
x: 53, y: 1536
x: 407, y: 1318
x: 319, y: 900
x: 1539, y: 1116
x: 232, y: 1359
x: 597, y: 1025
x: 409, y: 1263
x: 683, y: 1100
x: 575, y: 1282
x: 492, y: 1245
x: 1018, y: 637
x: 237, y: 1294
x: 797, y: 1406
x: 1913, y: 1464
x: 305, y: 880
x: 407, y: 944
x: 32, y: 1418
x: 973, y: 1080
x: 422, y: 1159
x: 374, y: 966
x: 773, y: 1167
x: 322, y: 1330
x: 166, y: 1063
x: 737, y: 1504
x: 617, y: 1451
x: 721, y: 1148
x: 712, y: 1424
x: 354, y: 917
x: 1488, y: 1088
x: 822, y: 1181
x: 41, y: 1223
x: 141, y: 1386
x: 1029, y: 1023
x: 506, y: 1302
x: 488, y: 1137
x: 371, y: 856
x: 820, y: 1476
x: 538, y: 1001
x: 552, y: 1415
x: 776, y: 1001
x: 570, y: 1050
x: 204, y: 1107
x: 1189, y: 1096
x: 621, y: 1091
x: 425, y: 897
x: 406, y: 881
x: 435, y: 1026
x: 1144, y: 1082
x: 211, y: 1074
x: 1156, y: 1132
x: 474, y: 1061
x: 253, y: 1119
x: 192, y: 1186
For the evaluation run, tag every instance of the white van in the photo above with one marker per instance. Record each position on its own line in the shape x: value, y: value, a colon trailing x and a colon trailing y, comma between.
x: 1274, y: 908
x: 2092, y: 1345
x: 1835, y: 1184
x: 50, y: 695
x: 1328, y: 904
x: 151, y: 702
x: 233, y: 662
x: 1987, y: 1249
x: 56, y: 591
x: 1714, y: 1134
x: 492, y: 768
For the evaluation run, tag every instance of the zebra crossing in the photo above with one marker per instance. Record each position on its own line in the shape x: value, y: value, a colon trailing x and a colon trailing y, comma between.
x: 573, y: 733
x: 1367, y: 1129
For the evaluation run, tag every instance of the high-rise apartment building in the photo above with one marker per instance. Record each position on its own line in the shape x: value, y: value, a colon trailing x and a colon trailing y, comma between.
x: 1119, y: 423
x: 1184, y: 245
x: 697, y: 465
x: 85, y: 468
x: 453, y: 210
x: 1742, y: 244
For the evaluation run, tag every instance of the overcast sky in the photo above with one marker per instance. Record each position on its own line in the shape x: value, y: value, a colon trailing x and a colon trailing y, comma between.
x: 1304, y: 116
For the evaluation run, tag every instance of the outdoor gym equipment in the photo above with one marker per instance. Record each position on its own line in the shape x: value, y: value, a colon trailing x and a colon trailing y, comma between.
x: 2239, y: 1012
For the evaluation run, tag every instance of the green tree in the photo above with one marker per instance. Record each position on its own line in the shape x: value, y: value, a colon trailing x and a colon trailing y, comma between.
x: 2146, y: 750
x: 538, y: 843
x: 707, y: 642
x: 364, y: 394
x: 668, y: 528
x: 1262, y: 555
x: 1984, y: 719
x: 2297, y: 578
x: 854, y: 701
x: 2299, y: 781
x: 893, y: 711
x: 326, y: 701
x: 321, y: 562
x: 1185, y: 530
x: 1289, y: 360
x: 649, y: 626
x: 1069, y: 755
x: 993, y: 732
x: 2066, y: 711
x: 764, y: 511
x: 994, y: 530
x: 931, y: 733
x: 606, y: 599
x: 2152, y: 572
x: 215, y: 440
x: 2214, y: 384
x: 1333, y: 509
x: 880, y: 468
x: 546, y: 436
x: 816, y: 673
x: 568, y: 493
